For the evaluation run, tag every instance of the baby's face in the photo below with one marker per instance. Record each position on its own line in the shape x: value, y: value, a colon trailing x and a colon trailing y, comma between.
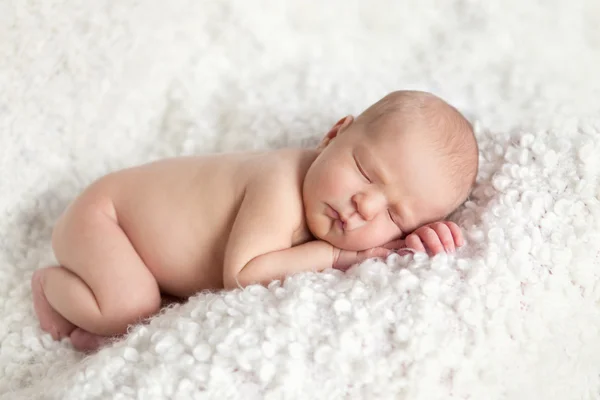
x: 363, y: 191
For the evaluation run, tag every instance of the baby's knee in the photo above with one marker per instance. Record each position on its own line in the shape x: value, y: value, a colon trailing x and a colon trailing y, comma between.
x: 133, y: 309
x: 86, y: 215
x: 143, y: 303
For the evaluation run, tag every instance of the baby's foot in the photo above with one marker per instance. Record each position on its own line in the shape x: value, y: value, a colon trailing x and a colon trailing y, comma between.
x: 87, y: 342
x: 50, y: 320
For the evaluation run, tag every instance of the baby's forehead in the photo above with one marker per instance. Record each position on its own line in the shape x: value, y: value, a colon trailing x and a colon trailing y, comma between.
x: 400, y: 127
x: 400, y: 139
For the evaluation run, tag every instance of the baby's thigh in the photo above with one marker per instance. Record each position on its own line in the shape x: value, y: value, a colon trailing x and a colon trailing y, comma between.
x: 88, y: 241
x: 81, y: 222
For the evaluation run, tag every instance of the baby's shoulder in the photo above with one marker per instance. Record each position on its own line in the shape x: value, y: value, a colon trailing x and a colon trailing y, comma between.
x: 279, y: 175
x: 286, y: 168
x: 275, y: 187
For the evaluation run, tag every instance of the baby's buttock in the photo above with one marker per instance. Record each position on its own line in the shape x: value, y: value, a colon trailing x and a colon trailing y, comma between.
x: 177, y: 221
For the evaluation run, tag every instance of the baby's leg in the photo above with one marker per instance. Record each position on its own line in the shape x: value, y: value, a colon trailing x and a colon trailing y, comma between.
x: 104, y: 285
x: 50, y: 320
x: 54, y: 323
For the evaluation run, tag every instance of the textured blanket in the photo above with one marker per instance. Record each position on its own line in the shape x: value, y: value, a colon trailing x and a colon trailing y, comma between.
x: 90, y: 87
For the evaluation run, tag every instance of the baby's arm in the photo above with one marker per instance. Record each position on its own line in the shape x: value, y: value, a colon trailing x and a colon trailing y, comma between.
x: 259, y: 249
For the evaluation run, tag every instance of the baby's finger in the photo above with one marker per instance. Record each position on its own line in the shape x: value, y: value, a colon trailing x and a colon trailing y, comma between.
x: 444, y: 235
x: 413, y: 241
x: 456, y: 233
x: 431, y: 239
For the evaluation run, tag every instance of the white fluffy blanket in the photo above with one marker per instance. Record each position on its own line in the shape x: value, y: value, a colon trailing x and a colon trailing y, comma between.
x: 89, y: 87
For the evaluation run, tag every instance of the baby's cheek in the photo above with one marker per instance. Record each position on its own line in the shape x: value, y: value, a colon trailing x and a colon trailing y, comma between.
x: 388, y: 233
x: 378, y: 235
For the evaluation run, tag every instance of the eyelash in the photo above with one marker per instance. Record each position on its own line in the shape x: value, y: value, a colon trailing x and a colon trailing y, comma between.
x: 367, y: 178
x: 361, y: 170
x: 392, y: 219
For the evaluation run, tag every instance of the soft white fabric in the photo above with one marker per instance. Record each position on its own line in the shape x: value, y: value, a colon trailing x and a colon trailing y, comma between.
x: 89, y: 87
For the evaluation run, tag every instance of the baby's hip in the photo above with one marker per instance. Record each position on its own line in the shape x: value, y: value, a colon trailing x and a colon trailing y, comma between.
x: 164, y: 228
x: 180, y: 254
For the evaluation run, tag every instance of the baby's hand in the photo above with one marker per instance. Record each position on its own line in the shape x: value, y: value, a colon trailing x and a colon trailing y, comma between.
x: 433, y: 238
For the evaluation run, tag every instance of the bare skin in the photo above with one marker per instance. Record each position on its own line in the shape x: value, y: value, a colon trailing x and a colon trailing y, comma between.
x: 182, y: 225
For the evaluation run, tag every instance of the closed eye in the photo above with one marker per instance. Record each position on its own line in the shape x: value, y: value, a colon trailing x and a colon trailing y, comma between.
x: 361, y: 170
x: 392, y: 219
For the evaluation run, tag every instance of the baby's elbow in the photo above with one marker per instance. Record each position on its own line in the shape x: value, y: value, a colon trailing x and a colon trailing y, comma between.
x: 242, y: 277
x: 231, y: 283
x: 237, y: 281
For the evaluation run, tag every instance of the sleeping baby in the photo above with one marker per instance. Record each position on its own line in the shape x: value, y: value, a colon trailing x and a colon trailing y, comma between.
x: 380, y: 182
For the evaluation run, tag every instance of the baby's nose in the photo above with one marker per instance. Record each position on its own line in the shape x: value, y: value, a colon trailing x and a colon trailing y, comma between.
x: 369, y: 205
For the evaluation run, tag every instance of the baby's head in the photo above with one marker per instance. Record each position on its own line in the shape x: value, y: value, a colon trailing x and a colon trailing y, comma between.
x: 407, y: 160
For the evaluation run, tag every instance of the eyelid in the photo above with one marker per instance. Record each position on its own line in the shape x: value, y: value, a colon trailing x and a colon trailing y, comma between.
x: 391, y: 216
x: 361, y: 170
x: 393, y: 220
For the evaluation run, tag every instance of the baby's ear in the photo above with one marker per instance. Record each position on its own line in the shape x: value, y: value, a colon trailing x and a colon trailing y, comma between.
x: 338, y: 128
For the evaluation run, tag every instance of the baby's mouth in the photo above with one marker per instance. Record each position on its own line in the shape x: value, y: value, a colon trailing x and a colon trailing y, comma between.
x: 337, y: 220
x: 341, y: 225
x: 331, y: 213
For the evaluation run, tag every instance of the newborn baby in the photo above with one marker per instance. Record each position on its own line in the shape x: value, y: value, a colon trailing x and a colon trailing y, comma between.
x: 376, y: 183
